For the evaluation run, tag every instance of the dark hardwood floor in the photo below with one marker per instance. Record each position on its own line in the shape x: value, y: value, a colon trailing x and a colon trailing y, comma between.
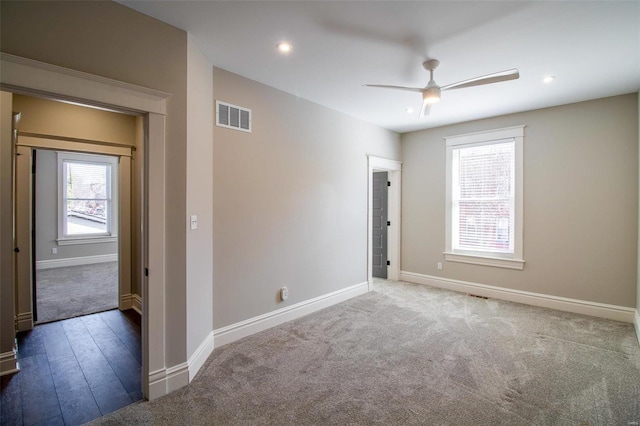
x: 75, y: 370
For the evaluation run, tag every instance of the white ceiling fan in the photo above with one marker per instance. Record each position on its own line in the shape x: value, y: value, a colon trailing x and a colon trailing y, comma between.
x: 431, y: 93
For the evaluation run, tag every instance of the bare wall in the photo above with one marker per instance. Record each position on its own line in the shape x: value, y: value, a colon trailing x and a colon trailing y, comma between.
x: 199, y: 198
x: 290, y: 200
x: 580, y: 202
x: 111, y: 40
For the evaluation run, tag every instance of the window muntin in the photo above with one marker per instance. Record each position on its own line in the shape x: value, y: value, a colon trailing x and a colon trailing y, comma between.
x: 484, y: 198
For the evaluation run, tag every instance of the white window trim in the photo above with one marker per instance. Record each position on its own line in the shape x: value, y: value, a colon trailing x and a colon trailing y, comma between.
x: 515, y: 261
x: 112, y: 235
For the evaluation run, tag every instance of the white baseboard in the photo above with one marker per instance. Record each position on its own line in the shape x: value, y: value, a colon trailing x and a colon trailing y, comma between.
x: 637, y: 323
x: 137, y: 303
x: 237, y: 331
x: 76, y: 261
x: 24, y: 321
x: 177, y: 377
x: 126, y: 302
x: 602, y: 310
x: 8, y: 363
x: 167, y: 380
x: 157, y: 384
x: 201, y: 354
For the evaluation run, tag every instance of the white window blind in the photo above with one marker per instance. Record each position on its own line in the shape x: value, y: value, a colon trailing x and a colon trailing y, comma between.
x: 484, y: 204
x: 86, y: 198
x: 483, y: 198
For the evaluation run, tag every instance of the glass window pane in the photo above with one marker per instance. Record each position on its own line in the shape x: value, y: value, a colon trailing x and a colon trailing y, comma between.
x: 86, y: 217
x: 86, y: 180
x: 87, y: 198
x: 483, y: 198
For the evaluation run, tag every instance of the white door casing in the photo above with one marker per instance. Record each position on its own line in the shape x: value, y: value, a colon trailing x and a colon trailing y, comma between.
x: 394, y: 169
x: 25, y: 76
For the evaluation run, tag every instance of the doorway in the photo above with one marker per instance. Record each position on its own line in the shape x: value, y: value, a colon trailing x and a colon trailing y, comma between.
x: 379, y: 224
x: 75, y: 239
x: 393, y: 181
x: 21, y: 75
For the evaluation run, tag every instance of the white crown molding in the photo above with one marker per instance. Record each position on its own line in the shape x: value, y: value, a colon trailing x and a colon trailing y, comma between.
x: 237, y: 331
x: 585, y: 307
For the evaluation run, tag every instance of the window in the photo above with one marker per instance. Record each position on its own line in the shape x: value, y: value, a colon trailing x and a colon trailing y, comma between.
x: 87, y: 198
x: 484, y: 198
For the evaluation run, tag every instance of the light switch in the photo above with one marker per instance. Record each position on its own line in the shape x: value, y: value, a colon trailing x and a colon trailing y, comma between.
x: 194, y: 221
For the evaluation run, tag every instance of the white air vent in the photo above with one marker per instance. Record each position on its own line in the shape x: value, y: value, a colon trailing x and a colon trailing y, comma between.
x: 233, y: 117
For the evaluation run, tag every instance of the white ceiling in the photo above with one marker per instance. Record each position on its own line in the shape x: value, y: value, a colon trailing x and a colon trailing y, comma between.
x: 592, y: 47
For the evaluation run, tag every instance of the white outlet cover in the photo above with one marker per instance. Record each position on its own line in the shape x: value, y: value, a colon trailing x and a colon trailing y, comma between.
x: 284, y: 293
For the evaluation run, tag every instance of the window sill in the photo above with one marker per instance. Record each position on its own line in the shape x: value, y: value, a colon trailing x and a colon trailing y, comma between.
x: 497, y: 262
x: 87, y: 240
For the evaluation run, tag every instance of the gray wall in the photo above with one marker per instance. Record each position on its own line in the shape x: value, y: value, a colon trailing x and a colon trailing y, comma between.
x: 580, y: 202
x: 47, y: 215
x: 111, y: 40
x: 290, y: 200
x: 199, y: 197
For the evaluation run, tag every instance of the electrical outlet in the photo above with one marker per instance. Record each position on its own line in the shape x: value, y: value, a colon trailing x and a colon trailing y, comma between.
x: 440, y: 265
x: 54, y: 250
x: 284, y: 293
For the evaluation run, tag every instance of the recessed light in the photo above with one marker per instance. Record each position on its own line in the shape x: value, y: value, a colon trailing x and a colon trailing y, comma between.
x: 548, y: 79
x: 408, y: 110
x: 284, y: 47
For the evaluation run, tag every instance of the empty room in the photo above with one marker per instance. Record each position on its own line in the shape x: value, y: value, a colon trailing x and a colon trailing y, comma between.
x: 320, y: 212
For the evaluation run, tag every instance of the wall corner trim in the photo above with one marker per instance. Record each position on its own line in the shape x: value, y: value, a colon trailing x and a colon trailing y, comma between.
x: 584, y: 307
x: 8, y: 363
x: 136, y: 303
x: 245, y: 328
x: 637, y: 324
x: 167, y: 380
x: 24, y: 321
x: 197, y: 360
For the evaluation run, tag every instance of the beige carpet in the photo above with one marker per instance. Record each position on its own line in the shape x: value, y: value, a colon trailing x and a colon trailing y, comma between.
x: 72, y: 291
x: 410, y: 354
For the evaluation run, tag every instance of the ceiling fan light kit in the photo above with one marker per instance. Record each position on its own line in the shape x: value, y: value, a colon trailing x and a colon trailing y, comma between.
x: 431, y: 93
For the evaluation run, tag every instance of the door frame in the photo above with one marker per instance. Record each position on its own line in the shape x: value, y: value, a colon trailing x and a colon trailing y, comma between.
x: 394, y: 170
x: 34, y: 78
x: 25, y: 232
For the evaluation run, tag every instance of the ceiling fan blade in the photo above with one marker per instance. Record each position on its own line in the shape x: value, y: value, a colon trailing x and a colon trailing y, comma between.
x: 497, y: 77
x: 382, y: 86
x: 426, y: 109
